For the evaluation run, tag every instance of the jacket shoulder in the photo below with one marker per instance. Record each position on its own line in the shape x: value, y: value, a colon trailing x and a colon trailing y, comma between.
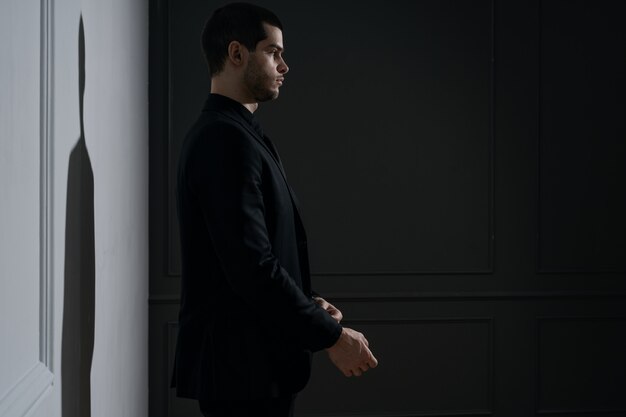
x: 215, y: 132
x: 216, y: 144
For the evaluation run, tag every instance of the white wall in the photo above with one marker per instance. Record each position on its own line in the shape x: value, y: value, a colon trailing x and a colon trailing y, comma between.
x: 116, y: 132
x: 116, y: 137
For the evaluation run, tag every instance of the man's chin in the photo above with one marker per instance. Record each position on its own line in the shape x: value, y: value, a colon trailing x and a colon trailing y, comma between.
x: 267, y: 96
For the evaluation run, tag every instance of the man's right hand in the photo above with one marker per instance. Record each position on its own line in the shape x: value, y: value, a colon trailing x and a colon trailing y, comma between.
x: 351, y: 353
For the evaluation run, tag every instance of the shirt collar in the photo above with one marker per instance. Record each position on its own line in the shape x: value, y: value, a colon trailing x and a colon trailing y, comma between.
x: 226, y: 103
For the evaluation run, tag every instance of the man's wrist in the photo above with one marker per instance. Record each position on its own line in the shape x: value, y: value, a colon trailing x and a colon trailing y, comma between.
x: 336, y: 336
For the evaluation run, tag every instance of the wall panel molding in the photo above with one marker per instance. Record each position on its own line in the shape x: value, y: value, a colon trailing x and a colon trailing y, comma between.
x: 173, y: 269
x: 174, y: 406
x: 37, y: 381
x: 442, y: 414
x: 598, y: 345
x: 599, y: 246
x: 440, y: 296
x: 45, y: 303
x: 27, y: 392
x: 171, y: 330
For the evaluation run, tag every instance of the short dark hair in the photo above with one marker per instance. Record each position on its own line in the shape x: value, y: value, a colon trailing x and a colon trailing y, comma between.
x: 242, y: 22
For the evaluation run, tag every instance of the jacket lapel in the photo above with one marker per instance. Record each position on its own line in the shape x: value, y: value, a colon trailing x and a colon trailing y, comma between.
x: 260, y: 140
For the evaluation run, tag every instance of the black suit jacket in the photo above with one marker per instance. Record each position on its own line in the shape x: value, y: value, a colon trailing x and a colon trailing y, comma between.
x: 247, y: 323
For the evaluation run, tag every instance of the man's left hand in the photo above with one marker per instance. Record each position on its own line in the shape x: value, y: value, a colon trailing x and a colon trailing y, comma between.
x: 331, y: 309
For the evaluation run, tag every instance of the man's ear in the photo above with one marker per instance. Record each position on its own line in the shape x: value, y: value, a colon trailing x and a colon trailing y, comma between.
x: 237, y: 53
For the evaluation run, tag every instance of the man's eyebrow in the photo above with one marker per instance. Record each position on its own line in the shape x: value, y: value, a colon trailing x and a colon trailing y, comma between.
x: 275, y: 45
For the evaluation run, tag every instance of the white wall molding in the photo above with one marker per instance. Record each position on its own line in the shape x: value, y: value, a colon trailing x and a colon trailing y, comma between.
x: 25, y: 293
x: 45, y: 241
x: 28, y: 391
x: 21, y: 399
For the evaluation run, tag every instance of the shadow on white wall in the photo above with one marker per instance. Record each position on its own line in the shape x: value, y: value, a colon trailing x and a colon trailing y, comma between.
x: 80, y: 276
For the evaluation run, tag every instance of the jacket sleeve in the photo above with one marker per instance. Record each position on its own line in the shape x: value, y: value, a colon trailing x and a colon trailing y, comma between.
x: 224, y: 173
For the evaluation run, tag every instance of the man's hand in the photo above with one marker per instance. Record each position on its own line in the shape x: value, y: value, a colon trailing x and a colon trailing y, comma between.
x: 351, y: 353
x: 331, y: 309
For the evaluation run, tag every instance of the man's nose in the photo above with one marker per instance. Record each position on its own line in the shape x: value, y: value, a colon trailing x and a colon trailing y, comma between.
x: 282, y: 67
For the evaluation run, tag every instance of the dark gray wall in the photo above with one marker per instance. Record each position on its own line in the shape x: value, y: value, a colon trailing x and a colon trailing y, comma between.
x: 461, y: 167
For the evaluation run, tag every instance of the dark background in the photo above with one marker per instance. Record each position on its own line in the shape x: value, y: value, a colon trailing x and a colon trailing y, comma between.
x: 461, y: 167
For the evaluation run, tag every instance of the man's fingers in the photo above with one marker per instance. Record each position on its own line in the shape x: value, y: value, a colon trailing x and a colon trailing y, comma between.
x: 372, y: 361
x: 336, y: 314
x: 321, y: 302
x: 353, y: 357
x: 330, y: 309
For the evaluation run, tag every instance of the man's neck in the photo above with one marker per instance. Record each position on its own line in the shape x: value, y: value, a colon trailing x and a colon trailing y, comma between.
x: 234, y: 94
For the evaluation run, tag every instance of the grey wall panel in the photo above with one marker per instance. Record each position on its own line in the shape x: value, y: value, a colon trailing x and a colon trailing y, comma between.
x: 445, y: 366
x: 188, y: 86
x: 582, y: 142
x: 410, y: 132
x: 450, y: 356
x: 176, y: 407
x: 581, y: 365
x: 458, y: 382
x: 387, y: 140
x: 388, y: 135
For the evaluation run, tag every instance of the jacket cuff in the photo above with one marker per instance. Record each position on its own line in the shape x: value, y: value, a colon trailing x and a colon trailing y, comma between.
x: 333, y: 337
x: 336, y: 335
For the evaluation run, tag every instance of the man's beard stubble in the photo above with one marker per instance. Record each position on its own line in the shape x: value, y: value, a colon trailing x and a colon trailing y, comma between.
x: 256, y: 81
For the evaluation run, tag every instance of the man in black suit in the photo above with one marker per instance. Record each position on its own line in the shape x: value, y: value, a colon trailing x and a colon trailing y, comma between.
x: 248, y: 318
